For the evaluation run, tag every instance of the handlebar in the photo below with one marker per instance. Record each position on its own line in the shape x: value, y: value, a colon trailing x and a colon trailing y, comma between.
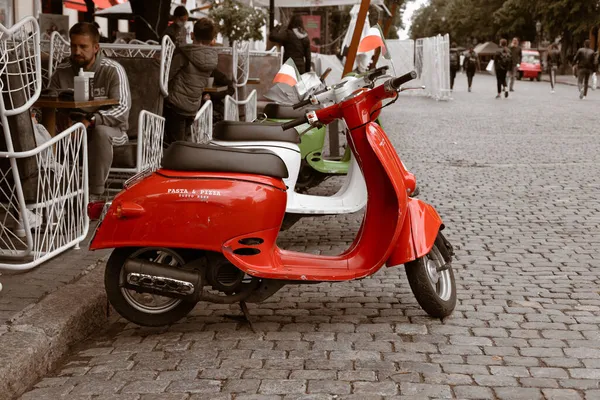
x: 401, y: 80
x: 294, y: 123
x: 303, y: 103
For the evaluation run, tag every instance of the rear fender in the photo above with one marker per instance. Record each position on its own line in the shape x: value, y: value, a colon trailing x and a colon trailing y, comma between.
x: 419, y: 230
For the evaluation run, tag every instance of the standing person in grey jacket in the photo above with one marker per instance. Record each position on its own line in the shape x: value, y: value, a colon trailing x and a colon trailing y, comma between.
x: 191, y: 67
x: 585, y: 62
x: 106, y: 128
x: 516, y: 54
x: 295, y: 43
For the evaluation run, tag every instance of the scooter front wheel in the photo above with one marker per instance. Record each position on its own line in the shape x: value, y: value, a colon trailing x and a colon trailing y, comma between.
x: 432, y: 282
x: 143, y: 308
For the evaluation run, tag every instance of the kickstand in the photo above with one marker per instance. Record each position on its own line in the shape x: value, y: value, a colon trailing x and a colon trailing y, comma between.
x: 243, y: 318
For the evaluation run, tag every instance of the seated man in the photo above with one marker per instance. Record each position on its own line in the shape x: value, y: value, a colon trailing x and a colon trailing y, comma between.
x: 191, y: 67
x: 108, y: 127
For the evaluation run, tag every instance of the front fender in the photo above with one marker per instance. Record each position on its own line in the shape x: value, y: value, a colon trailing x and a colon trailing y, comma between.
x: 419, y: 230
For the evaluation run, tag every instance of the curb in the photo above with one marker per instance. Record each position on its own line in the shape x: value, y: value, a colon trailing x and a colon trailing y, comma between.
x: 37, y: 339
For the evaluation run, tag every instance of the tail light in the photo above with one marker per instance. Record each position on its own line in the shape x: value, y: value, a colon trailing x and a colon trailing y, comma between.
x: 96, y: 210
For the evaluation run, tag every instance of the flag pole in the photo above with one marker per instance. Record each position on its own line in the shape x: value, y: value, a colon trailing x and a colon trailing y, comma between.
x: 358, y: 28
x: 386, y: 31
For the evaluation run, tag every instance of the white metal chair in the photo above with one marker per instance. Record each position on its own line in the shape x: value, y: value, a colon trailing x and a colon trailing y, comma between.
x: 43, y: 189
x: 240, y: 65
x: 232, y: 108
x: 202, y: 127
x: 146, y: 128
x: 59, y: 49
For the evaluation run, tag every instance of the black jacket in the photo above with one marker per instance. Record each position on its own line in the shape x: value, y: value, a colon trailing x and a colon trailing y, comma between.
x: 296, y: 46
x: 500, y: 58
x: 585, y: 58
x: 554, y: 58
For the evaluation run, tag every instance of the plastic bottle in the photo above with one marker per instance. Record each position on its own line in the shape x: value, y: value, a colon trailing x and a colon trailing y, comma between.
x: 81, y: 87
x: 90, y: 78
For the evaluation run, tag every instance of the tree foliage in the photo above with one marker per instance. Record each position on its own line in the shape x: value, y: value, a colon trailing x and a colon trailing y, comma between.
x: 237, y: 21
x: 482, y: 20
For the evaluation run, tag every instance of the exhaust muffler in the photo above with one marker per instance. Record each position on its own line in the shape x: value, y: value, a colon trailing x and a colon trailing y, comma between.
x: 150, y: 277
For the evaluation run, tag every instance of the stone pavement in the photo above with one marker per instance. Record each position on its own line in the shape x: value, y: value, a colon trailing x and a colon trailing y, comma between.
x: 516, y: 181
x: 22, y: 290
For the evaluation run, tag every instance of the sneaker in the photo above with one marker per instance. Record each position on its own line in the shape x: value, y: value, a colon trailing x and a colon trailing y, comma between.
x: 583, y: 98
x: 505, y: 93
x: 498, y: 96
x: 552, y: 90
x: 512, y: 90
x: 581, y: 94
x: 34, y: 222
x: 469, y: 89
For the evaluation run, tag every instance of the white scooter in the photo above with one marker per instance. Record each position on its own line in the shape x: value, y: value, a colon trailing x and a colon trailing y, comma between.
x: 351, y: 197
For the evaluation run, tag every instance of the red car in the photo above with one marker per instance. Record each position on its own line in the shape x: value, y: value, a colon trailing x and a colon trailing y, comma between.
x: 531, y: 66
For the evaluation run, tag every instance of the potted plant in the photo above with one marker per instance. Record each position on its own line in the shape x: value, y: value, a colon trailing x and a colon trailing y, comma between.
x: 237, y: 21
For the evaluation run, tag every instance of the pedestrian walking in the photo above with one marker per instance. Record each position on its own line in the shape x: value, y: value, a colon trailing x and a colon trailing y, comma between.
x: 585, y: 62
x: 295, y: 43
x: 516, y: 54
x: 454, y: 64
x: 502, y: 64
x: 471, y: 64
x: 554, y: 62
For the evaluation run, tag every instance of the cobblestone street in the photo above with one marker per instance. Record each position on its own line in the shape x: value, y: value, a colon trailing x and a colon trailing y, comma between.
x: 517, y: 182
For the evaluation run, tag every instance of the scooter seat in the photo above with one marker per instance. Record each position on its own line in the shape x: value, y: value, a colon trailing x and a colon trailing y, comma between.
x: 187, y: 156
x: 239, y: 131
x: 280, y: 111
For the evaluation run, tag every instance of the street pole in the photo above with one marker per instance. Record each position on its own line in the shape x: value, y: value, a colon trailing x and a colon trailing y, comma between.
x: 334, y: 130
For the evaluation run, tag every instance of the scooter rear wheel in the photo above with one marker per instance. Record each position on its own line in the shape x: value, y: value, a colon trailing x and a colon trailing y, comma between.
x: 143, y: 308
x: 432, y: 282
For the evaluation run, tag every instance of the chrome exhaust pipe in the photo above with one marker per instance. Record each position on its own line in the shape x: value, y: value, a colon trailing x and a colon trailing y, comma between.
x: 150, y: 277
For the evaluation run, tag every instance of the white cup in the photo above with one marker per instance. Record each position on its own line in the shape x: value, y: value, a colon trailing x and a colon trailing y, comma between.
x: 211, y: 81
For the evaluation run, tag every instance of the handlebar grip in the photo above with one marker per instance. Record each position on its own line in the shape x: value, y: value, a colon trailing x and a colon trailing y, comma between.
x: 303, y: 103
x: 294, y: 123
x: 325, y: 74
x: 401, y: 80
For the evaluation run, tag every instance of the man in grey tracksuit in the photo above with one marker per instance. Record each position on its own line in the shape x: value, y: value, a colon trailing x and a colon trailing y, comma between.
x: 106, y: 127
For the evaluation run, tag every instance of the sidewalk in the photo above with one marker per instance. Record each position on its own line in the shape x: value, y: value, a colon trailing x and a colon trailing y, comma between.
x: 46, y: 310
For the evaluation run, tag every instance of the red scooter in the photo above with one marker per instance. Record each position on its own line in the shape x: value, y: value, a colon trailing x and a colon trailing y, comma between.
x: 204, y: 226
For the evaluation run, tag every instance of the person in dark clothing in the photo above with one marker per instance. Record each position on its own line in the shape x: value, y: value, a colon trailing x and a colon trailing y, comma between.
x: 471, y: 65
x: 585, y: 62
x: 176, y: 31
x: 554, y: 61
x: 517, y: 54
x: 191, y: 67
x: 454, y: 64
x: 502, y: 64
x: 295, y: 43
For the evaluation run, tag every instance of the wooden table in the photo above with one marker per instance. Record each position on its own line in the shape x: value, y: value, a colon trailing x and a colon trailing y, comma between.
x: 215, y: 89
x: 49, y: 105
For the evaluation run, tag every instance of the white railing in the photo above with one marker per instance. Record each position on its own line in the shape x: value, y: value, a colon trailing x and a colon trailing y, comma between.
x: 53, y: 216
x: 232, y: 112
x: 202, y: 126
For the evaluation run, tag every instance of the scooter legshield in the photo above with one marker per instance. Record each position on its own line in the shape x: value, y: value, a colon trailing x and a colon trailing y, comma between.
x: 419, y: 230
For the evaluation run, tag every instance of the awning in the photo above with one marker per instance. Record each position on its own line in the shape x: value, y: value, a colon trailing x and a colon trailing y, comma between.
x: 79, y: 5
x: 122, y: 11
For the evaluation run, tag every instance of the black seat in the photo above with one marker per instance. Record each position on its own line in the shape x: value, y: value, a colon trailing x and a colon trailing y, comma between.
x: 280, y: 111
x: 187, y: 156
x: 239, y: 131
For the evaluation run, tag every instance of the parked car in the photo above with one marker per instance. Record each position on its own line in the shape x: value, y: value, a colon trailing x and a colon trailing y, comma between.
x: 531, y: 65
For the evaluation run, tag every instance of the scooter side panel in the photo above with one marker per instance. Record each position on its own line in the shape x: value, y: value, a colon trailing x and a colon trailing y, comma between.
x: 419, y: 231
x: 195, y: 211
